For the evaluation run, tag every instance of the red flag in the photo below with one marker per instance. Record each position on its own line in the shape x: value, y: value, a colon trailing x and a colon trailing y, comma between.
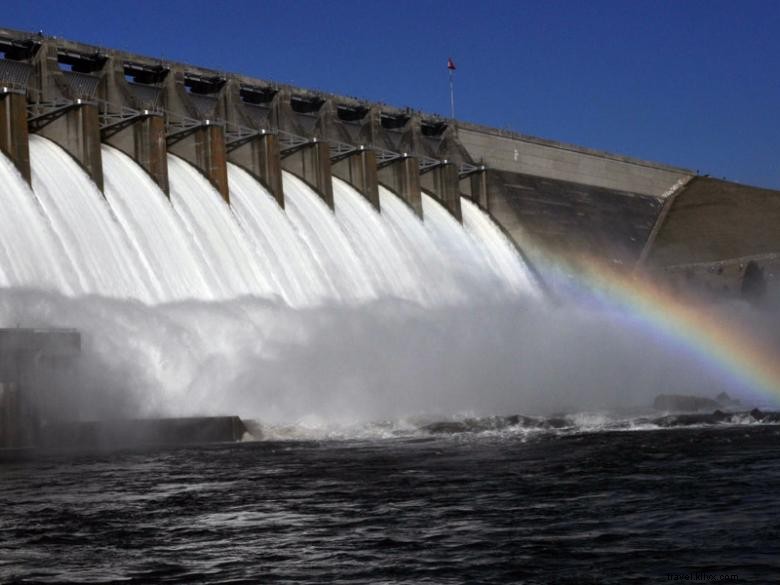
x: 450, y: 64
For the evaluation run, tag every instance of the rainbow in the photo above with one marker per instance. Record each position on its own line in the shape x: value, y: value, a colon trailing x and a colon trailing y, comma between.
x: 719, y: 341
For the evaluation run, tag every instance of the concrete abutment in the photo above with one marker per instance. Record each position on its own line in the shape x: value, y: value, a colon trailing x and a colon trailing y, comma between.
x: 402, y: 176
x: 204, y: 148
x: 360, y: 170
x: 14, y: 138
x: 443, y: 183
x: 311, y: 162
x: 77, y: 130
x: 259, y: 156
x: 144, y: 142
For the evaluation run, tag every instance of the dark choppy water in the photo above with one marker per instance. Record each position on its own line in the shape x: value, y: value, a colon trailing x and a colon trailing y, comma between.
x: 596, y: 507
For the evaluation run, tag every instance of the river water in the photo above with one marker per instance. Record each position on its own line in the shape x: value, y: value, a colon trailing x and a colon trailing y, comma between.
x: 572, y: 506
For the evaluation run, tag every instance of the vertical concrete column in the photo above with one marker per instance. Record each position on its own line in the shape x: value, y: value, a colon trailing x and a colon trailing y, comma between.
x: 14, y: 139
x: 144, y: 141
x: 77, y: 130
x: 402, y: 176
x: 260, y: 158
x: 205, y: 149
x: 444, y: 184
x: 477, y: 188
x: 360, y: 170
x: 311, y: 163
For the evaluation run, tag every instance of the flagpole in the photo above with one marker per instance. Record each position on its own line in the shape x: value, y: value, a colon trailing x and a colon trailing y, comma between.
x: 452, y: 94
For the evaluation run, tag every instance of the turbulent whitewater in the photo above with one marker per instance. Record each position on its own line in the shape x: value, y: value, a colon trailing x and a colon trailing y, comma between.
x: 301, y: 315
x: 179, y: 296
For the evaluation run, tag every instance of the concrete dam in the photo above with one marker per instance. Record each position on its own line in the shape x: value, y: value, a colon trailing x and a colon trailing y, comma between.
x: 550, y: 198
x: 193, y: 236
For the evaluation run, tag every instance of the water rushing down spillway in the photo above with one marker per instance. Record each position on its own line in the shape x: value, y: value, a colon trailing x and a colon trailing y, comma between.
x: 271, y: 232
x: 158, y: 236
x: 237, y: 267
x: 31, y: 254
x: 327, y: 243
x: 132, y: 242
x: 188, y: 305
x: 100, y: 253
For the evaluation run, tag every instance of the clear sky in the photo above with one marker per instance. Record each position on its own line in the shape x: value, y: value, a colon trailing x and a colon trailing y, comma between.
x: 689, y: 83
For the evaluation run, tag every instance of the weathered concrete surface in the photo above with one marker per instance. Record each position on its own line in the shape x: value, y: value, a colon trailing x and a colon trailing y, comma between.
x: 402, y: 177
x: 570, y: 219
x: 115, y: 434
x: 360, y: 170
x: 718, y: 237
x: 508, y: 151
x: 14, y: 139
x: 259, y: 156
x: 144, y: 142
x: 712, y: 220
x: 311, y: 162
x: 205, y: 148
x: 142, y: 137
x: 24, y: 355
x: 78, y: 132
x: 443, y: 184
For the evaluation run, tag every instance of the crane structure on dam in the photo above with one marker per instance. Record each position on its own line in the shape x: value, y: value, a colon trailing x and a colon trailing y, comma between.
x: 553, y: 200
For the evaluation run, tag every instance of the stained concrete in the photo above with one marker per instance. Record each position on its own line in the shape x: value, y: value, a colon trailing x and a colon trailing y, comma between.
x: 14, y: 139
x: 570, y: 219
x: 506, y: 151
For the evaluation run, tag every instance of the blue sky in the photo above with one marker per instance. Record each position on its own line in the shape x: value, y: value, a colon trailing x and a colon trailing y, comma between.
x: 689, y: 83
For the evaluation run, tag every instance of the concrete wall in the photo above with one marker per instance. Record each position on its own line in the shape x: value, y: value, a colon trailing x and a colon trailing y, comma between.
x: 712, y: 219
x: 572, y: 219
x: 506, y: 151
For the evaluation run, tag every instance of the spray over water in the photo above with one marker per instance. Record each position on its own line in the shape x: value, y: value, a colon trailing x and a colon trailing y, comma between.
x: 301, y: 317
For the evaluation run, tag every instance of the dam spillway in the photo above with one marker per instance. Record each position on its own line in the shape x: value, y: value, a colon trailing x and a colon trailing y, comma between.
x: 134, y: 243
x: 222, y: 241
x: 552, y: 199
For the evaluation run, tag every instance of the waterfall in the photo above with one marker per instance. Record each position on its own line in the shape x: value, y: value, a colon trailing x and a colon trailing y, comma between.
x: 31, y: 254
x: 235, y: 265
x: 328, y: 244
x: 157, y: 233
x: 100, y: 253
x: 190, y: 305
x: 65, y: 236
x: 270, y: 230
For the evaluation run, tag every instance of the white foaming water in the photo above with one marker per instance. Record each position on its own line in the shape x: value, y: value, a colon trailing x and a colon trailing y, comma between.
x: 231, y: 259
x: 390, y: 268
x: 327, y: 243
x: 155, y: 230
x: 270, y: 230
x: 30, y: 253
x: 99, y: 250
x: 282, y: 314
x: 421, y: 249
x: 497, y: 251
x: 473, y: 267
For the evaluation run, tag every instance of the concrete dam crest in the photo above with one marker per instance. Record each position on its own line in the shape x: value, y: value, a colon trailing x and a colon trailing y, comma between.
x: 549, y: 198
